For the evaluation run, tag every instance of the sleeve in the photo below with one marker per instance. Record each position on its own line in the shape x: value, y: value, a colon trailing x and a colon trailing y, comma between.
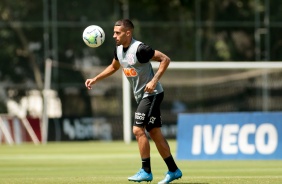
x: 115, y: 54
x: 144, y: 53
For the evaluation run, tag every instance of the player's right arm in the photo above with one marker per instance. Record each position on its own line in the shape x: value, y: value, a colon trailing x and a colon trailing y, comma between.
x: 112, y: 68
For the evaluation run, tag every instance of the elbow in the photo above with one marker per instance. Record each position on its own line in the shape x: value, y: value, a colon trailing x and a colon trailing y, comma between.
x: 167, y: 60
x: 116, y: 68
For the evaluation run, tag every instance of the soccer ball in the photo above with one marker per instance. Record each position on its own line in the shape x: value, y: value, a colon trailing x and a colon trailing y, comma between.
x: 93, y: 36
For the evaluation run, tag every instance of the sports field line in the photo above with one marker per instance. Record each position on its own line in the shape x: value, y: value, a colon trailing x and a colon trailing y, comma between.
x: 67, y: 156
x: 249, y: 170
x: 235, y: 177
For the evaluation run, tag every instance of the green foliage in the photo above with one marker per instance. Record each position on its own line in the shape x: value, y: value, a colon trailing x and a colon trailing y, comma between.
x: 186, y: 30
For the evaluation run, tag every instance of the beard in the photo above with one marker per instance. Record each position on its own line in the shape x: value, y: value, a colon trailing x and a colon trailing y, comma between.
x: 118, y: 43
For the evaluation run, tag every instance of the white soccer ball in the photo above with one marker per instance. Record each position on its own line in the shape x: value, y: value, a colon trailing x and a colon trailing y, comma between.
x: 93, y: 36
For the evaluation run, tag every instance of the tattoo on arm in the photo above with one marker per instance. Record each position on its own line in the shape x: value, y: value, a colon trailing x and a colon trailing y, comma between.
x: 157, y: 77
x: 164, y: 62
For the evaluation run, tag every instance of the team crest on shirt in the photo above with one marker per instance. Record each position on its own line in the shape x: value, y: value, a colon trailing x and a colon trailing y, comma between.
x: 130, y: 59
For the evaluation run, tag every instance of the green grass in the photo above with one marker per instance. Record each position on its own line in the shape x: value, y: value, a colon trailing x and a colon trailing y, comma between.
x: 113, y: 162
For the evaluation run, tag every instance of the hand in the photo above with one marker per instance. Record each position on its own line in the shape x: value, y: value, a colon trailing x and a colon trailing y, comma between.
x: 150, y: 87
x: 90, y: 82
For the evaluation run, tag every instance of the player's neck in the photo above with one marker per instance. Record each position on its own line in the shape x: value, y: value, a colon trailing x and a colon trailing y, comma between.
x: 127, y: 43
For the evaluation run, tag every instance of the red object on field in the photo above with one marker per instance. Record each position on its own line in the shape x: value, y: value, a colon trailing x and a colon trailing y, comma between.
x: 17, y: 130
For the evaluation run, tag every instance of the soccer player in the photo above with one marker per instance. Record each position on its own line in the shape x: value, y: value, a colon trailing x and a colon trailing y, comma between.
x: 134, y: 58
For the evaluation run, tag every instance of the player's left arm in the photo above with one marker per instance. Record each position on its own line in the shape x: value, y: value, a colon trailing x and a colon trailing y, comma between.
x: 164, y: 62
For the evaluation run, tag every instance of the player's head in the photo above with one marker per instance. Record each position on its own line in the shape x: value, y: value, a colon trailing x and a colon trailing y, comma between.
x: 123, y: 30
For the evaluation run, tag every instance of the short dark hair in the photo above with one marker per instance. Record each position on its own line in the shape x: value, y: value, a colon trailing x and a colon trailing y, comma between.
x: 125, y: 23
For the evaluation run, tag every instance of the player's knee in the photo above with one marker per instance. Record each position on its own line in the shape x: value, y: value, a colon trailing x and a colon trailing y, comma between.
x: 138, y: 131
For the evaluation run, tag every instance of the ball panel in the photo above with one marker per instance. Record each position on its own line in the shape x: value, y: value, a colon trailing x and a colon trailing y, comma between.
x: 93, y: 36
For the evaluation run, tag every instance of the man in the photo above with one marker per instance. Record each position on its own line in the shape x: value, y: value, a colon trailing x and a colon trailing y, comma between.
x: 134, y: 57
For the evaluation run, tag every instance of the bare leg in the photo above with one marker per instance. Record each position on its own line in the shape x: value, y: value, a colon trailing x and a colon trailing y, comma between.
x: 143, y: 142
x: 144, y: 174
x: 161, y: 143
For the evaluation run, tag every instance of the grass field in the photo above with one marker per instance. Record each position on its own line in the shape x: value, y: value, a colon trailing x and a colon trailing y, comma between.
x: 112, y: 162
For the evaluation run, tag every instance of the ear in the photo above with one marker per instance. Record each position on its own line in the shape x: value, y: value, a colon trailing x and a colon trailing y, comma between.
x: 128, y: 33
